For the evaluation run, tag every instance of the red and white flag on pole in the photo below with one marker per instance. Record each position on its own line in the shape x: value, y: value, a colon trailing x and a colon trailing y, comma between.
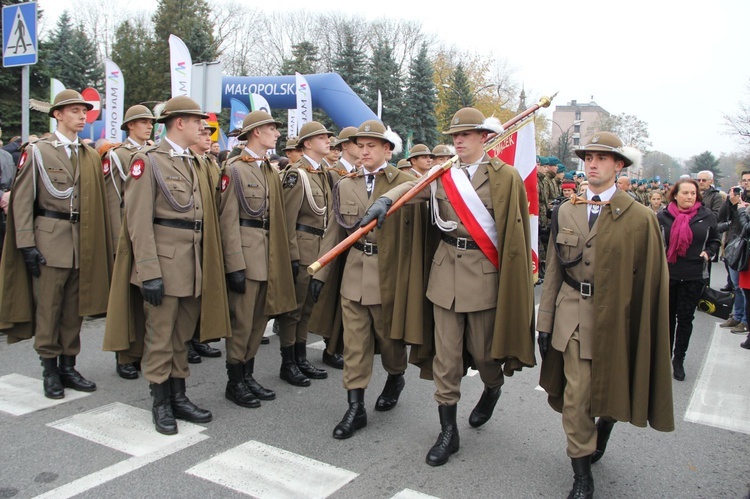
x: 519, y: 150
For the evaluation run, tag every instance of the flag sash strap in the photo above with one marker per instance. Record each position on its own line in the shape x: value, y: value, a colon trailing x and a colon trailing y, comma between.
x: 472, y: 212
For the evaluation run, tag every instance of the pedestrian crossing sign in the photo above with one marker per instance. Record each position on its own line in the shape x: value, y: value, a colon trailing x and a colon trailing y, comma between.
x: 19, y: 35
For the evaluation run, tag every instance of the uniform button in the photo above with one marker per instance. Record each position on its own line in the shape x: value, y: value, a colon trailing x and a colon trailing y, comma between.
x: 587, y: 263
x: 588, y: 245
x: 458, y: 256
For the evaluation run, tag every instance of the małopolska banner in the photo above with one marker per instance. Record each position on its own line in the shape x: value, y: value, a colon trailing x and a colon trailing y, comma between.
x: 114, y: 95
x: 181, y: 66
x: 304, y: 102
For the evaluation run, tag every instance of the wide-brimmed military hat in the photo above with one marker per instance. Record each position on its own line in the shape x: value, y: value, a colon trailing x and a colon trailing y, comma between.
x: 254, y: 120
x: 68, y: 97
x: 420, y: 150
x: 179, y: 106
x: 344, y: 136
x: 377, y: 130
x: 136, y: 112
x: 403, y: 163
x: 470, y: 118
x: 604, y: 142
x: 291, y: 144
x: 311, y: 129
x: 442, y: 150
x: 208, y: 125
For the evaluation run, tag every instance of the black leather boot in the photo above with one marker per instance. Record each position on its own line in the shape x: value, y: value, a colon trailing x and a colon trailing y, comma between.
x: 205, y: 350
x: 126, y: 371
x: 304, y: 365
x: 746, y: 344
x: 182, y: 408
x: 71, y: 378
x: 255, y: 387
x: 193, y: 357
x: 448, y: 441
x: 355, y: 417
x: 678, y: 369
x: 237, y: 391
x: 583, y: 480
x: 53, y: 387
x: 289, y: 371
x: 603, y: 431
x: 391, y: 391
x: 482, y: 412
x: 335, y: 360
x: 161, y: 411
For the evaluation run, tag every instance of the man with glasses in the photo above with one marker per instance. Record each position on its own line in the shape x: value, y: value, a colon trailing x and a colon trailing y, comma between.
x: 712, y: 198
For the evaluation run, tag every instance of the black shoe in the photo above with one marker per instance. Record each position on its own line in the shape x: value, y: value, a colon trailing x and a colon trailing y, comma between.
x: 255, y: 387
x: 237, y: 391
x: 603, y: 431
x: 391, y: 391
x: 448, y: 441
x: 304, y: 365
x: 355, y: 417
x: 53, y: 388
x: 193, y: 357
x: 265, y: 340
x: 583, y: 480
x: 289, y: 371
x: 71, y: 378
x: 335, y: 360
x: 182, y: 408
x: 482, y: 412
x: 205, y: 350
x: 161, y: 412
x: 127, y: 371
x: 746, y: 344
x: 678, y: 370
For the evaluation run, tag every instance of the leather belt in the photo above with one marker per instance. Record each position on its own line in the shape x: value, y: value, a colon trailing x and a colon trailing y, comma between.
x: 258, y: 224
x: 194, y: 225
x: 368, y: 249
x: 585, y: 288
x: 72, y: 217
x: 462, y: 243
x: 310, y: 230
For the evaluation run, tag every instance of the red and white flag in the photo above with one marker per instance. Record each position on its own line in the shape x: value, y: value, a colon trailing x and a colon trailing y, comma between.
x: 519, y: 150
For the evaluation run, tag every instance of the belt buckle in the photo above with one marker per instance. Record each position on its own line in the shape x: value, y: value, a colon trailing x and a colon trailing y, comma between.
x: 462, y: 243
x: 586, y: 289
x: 74, y: 217
x: 265, y: 224
x: 368, y: 248
x: 198, y: 225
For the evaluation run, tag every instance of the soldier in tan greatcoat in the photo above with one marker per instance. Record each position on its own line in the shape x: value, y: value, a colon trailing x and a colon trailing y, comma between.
x: 307, y: 201
x: 138, y: 123
x: 255, y: 239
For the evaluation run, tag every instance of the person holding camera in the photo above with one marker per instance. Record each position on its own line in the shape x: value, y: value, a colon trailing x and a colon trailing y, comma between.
x: 729, y: 224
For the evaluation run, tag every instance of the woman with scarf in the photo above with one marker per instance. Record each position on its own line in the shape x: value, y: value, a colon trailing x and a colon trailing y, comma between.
x: 691, y: 239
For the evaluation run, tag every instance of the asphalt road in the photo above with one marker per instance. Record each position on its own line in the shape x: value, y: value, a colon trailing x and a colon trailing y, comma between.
x: 285, y: 448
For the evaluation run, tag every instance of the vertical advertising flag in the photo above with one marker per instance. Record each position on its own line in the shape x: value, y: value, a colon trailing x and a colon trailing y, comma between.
x: 291, y: 123
x: 181, y: 66
x: 114, y: 95
x: 304, y: 101
x: 237, y: 113
x: 380, y: 105
x: 259, y: 103
x: 519, y: 150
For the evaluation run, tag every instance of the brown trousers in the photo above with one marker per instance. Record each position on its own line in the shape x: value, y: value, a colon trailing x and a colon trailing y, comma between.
x: 57, y: 326
x: 293, y: 325
x: 363, y: 326
x: 168, y: 328
x: 248, y: 321
x: 576, y: 414
x: 451, y: 331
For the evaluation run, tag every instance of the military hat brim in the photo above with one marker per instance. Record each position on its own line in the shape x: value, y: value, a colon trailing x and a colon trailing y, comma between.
x: 69, y: 102
x: 142, y: 116
x: 581, y: 153
x: 303, y: 138
x: 245, y: 131
x: 181, y: 112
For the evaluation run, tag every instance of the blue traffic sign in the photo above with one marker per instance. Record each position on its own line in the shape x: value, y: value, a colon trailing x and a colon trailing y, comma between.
x: 19, y: 35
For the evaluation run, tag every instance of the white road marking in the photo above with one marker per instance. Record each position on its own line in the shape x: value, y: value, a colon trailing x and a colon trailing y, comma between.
x: 318, y: 345
x: 21, y: 395
x: 124, y: 428
x: 471, y: 372
x: 720, y: 395
x: 263, y: 471
x: 412, y: 494
x: 109, y: 473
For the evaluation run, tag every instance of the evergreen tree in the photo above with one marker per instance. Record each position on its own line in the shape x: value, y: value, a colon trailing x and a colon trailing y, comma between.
x: 350, y: 63
x: 384, y: 76
x: 60, y: 48
x: 420, y: 101
x: 706, y: 161
x: 190, y: 21
x: 305, y: 60
x: 459, y: 94
x: 133, y: 52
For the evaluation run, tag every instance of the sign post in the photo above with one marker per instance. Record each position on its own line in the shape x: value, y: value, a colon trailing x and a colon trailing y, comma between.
x: 20, y: 48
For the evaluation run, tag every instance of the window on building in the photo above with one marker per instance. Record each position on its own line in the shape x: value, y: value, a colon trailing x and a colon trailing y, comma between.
x: 578, y: 115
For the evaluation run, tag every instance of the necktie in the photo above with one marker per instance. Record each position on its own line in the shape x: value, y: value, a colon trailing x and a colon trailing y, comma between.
x: 369, y: 183
x: 73, y: 156
x: 595, y: 209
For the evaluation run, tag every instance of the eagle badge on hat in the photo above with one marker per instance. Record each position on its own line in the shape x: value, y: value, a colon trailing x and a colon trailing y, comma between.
x: 595, y: 139
x: 367, y: 128
x: 136, y: 170
x: 456, y: 120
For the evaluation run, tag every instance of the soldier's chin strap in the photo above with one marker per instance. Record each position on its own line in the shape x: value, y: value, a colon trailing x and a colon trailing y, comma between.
x: 582, y: 200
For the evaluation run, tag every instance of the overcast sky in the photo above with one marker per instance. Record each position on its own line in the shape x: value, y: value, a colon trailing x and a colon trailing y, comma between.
x: 677, y: 67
